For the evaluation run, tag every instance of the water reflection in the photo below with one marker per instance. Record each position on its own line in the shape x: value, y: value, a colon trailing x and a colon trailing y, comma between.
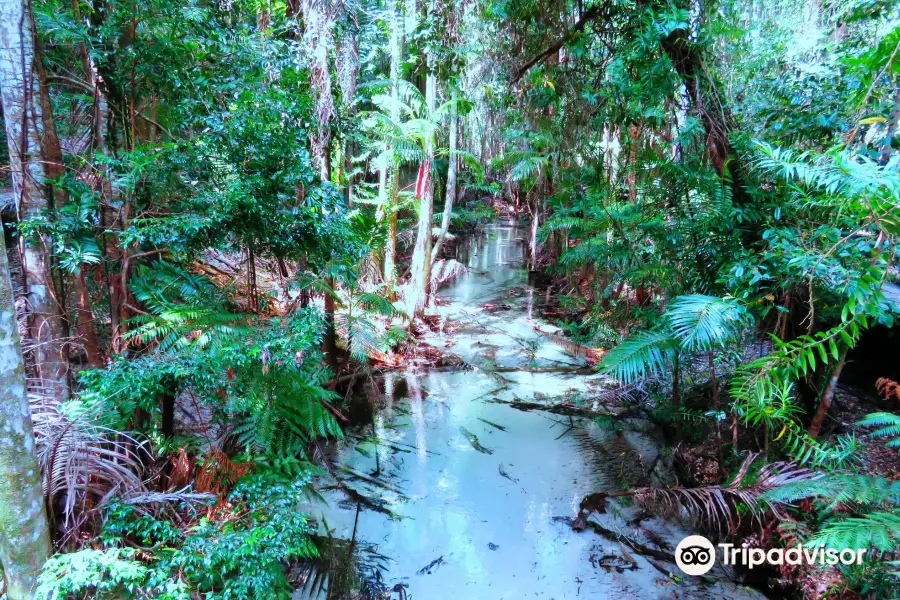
x: 475, y: 517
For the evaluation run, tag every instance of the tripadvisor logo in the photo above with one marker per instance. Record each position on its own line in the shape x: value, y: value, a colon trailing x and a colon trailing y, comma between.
x: 696, y: 555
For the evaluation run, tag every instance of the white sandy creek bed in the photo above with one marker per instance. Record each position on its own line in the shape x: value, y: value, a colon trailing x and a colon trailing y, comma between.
x: 462, y: 530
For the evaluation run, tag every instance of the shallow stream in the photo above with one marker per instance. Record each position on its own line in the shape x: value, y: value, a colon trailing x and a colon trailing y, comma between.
x: 468, y: 486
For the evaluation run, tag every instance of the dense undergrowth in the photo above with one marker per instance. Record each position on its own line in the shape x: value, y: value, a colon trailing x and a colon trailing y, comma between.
x: 228, y: 212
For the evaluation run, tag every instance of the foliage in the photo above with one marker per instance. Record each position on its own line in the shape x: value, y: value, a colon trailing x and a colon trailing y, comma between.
x: 240, y: 556
x: 101, y: 573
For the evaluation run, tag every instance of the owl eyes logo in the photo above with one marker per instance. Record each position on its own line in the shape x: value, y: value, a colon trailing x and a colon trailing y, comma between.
x: 695, y: 555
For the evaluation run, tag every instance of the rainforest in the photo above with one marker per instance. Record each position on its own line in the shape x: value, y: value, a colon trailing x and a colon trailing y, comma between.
x: 450, y: 299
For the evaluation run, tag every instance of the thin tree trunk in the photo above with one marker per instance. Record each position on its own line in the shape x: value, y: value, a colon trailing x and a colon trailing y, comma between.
x: 30, y: 139
x: 421, y: 259
x: 84, y: 323
x: 715, y: 397
x: 734, y: 430
x: 393, y: 199
x: 676, y: 397
x: 815, y: 426
x: 24, y: 528
x: 317, y: 38
x: 535, y: 226
x: 390, y: 248
x: 450, y: 196
x: 329, y: 343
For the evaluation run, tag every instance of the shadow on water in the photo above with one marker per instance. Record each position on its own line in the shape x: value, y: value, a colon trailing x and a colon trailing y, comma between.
x: 457, y: 493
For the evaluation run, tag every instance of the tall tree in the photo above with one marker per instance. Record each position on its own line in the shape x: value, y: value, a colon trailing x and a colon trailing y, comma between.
x: 421, y: 258
x: 24, y: 528
x: 393, y: 196
x: 318, y: 37
x: 318, y: 16
x: 450, y: 193
x: 34, y: 155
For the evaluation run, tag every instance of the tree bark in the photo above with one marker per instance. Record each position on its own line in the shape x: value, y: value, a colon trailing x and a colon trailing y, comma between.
x: 318, y: 19
x: 688, y: 63
x: 421, y: 259
x: 329, y: 343
x: 450, y: 196
x: 393, y: 199
x: 24, y: 527
x: 815, y: 426
x: 34, y: 154
x: 84, y: 323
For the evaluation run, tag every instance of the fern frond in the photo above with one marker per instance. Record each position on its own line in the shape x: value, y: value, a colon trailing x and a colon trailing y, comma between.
x: 840, y: 489
x: 876, y: 530
x: 645, y: 353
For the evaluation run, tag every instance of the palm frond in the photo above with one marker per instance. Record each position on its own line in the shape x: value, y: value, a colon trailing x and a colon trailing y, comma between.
x: 721, y: 507
x: 443, y: 271
x: 705, y: 321
x: 645, y: 353
x: 83, y: 465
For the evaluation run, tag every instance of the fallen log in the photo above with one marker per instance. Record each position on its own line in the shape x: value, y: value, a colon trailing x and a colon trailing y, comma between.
x: 582, y: 370
x: 371, y: 480
x: 564, y: 408
x: 617, y: 537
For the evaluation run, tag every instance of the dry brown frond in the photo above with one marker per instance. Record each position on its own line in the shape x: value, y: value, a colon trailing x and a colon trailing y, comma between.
x: 888, y: 388
x: 83, y: 465
x: 715, y: 506
x: 219, y: 473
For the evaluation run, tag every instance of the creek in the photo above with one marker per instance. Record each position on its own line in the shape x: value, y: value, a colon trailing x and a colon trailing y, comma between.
x: 466, y: 490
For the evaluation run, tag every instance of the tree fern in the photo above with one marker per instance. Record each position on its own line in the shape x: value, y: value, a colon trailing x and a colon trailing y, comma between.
x: 280, y: 412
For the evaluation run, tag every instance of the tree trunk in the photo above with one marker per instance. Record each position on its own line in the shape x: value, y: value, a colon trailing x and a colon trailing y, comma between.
x: 84, y: 323
x: 676, y: 396
x: 393, y: 199
x: 24, y: 528
x: 421, y: 259
x: 815, y: 426
x: 32, y: 155
x: 535, y: 207
x: 317, y: 39
x: 715, y: 398
x: 329, y: 343
x: 450, y: 196
x: 688, y: 63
